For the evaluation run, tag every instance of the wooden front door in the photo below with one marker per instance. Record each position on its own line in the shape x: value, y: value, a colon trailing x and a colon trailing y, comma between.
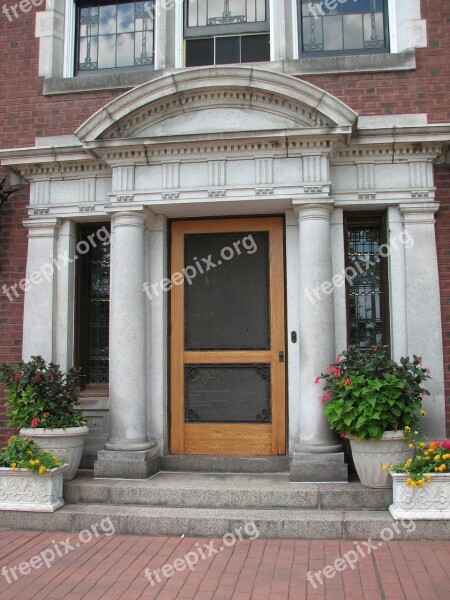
x: 227, y: 337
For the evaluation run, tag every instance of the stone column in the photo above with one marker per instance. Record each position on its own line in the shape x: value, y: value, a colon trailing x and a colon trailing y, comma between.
x: 317, y: 455
x: 129, y: 453
x: 423, y: 309
x: 39, y: 287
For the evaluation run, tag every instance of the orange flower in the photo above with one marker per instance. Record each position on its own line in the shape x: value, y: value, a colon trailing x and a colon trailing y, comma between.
x: 46, y: 414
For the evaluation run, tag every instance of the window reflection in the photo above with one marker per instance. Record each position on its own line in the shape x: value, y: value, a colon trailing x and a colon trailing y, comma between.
x: 115, y: 34
x: 350, y: 25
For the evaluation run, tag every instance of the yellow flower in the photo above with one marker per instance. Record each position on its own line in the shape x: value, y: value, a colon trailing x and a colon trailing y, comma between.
x: 423, y: 413
x: 28, y: 451
x: 422, y: 444
x: 413, y: 484
x: 407, y: 429
x: 420, y: 482
x: 443, y: 468
x: 446, y: 456
x: 427, y: 457
x: 437, y: 457
x: 42, y: 469
x: 416, y: 433
x: 411, y: 446
x: 408, y: 482
x: 428, y: 479
x: 384, y: 467
x: 436, y: 469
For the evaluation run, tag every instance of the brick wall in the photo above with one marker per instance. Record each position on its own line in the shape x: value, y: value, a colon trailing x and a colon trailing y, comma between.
x: 442, y: 177
x: 25, y: 114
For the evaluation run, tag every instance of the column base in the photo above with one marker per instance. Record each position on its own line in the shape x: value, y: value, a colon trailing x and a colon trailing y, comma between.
x: 323, y: 467
x: 127, y: 464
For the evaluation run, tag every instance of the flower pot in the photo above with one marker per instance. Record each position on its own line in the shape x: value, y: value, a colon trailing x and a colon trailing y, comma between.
x: 370, y: 455
x: 25, y: 491
x: 431, y: 502
x: 63, y: 443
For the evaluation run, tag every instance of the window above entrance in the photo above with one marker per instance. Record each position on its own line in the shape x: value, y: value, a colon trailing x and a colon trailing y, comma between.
x: 226, y: 31
x: 114, y: 33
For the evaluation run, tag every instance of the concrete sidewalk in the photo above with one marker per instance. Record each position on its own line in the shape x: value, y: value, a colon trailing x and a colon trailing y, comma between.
x: 99, y: 567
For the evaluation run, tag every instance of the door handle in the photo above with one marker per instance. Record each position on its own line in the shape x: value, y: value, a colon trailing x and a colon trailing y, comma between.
x: 281, y: 356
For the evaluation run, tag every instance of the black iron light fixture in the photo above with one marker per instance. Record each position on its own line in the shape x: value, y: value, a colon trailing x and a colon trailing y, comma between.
x: 6, y: 193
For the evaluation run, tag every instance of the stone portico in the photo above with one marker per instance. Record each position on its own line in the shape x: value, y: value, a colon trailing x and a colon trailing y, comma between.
x: 221, y: 142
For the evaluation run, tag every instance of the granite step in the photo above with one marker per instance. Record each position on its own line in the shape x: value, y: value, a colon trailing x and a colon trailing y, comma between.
x: 216, y: 522
x: 237, y: 491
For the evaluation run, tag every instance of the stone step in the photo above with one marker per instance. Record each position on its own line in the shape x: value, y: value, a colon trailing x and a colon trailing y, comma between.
x: 224, y: 464
x: 214, y: 523
x: 252, y: 491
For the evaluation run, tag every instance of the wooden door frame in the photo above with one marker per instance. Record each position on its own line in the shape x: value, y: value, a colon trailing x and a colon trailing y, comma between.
x: 249, y: 434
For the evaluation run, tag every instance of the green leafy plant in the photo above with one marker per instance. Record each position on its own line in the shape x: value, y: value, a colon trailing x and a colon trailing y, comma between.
x: 39, y: 394
x: 367, y: 393
x: 434, y: 458
x: 22, y: 453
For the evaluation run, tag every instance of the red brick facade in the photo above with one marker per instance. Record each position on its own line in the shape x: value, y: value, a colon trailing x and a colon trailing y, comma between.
x: 26, y: 113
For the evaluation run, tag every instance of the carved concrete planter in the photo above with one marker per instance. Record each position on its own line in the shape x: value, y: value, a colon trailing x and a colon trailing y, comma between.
x: 25, y: 491
x: 370, y: 455
x: 64, y: 443
x: 432, y: 502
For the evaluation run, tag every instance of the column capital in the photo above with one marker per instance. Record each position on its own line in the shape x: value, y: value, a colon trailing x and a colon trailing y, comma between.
x: 46, y: 227
x: 313, y: 210
x: 422, y: 212
x: 130, y: 216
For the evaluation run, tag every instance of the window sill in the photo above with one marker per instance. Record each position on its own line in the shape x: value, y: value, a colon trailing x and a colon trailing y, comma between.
x: 323, y: 65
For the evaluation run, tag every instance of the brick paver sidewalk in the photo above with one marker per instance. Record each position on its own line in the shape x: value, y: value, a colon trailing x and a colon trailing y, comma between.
x: 113, y: 567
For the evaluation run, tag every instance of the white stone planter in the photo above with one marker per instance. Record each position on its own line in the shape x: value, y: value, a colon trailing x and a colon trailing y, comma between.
x: 432, y: 502
x: 64, y: 443
x: 370, y: 455
x: 25, y: 491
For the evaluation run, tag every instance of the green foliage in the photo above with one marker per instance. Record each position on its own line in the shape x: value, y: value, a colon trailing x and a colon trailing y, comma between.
x: 39, y: 394
x: 22, y: 453
x: 367, y: 393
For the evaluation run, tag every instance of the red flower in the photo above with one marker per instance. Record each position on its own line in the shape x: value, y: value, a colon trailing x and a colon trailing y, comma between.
x: 16, y: 376
x: 420, y: 361
x: 317, y: 380
x: 35, y: 422
x: 348, y: 381
x: 446, y: 445
x: 338, y: 358
x: 343, y: 434
x: 337, y: 372
x: 330, y: 368
x: 326, y: 398
x: 37, y: 378
x: 424, y: 393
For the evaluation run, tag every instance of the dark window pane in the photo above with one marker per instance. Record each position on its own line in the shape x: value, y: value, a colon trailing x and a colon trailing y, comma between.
x: 255, y: 48
x: 92, y: 308
x: 365, y: 291
x: 200, y: 52
x: 227, y: 394
x: 227, y: 307
x: 228, y: 50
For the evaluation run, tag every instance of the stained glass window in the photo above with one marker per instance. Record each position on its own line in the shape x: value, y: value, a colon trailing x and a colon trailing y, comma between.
x: 113, y: 34
x: 343, y: 26
x: 366, y: 285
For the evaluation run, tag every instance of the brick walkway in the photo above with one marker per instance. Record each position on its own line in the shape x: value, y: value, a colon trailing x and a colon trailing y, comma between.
x: 112, y: 568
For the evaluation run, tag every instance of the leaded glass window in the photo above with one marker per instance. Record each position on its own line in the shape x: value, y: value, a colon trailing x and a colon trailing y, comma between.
x: 367, y: 301
x: 92, y: 307
x: 226, y: 31
x: 343, y: 26
x: 114, y: 33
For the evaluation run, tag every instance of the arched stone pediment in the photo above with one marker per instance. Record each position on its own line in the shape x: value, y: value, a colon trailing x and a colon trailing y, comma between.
x: 212, y: 100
